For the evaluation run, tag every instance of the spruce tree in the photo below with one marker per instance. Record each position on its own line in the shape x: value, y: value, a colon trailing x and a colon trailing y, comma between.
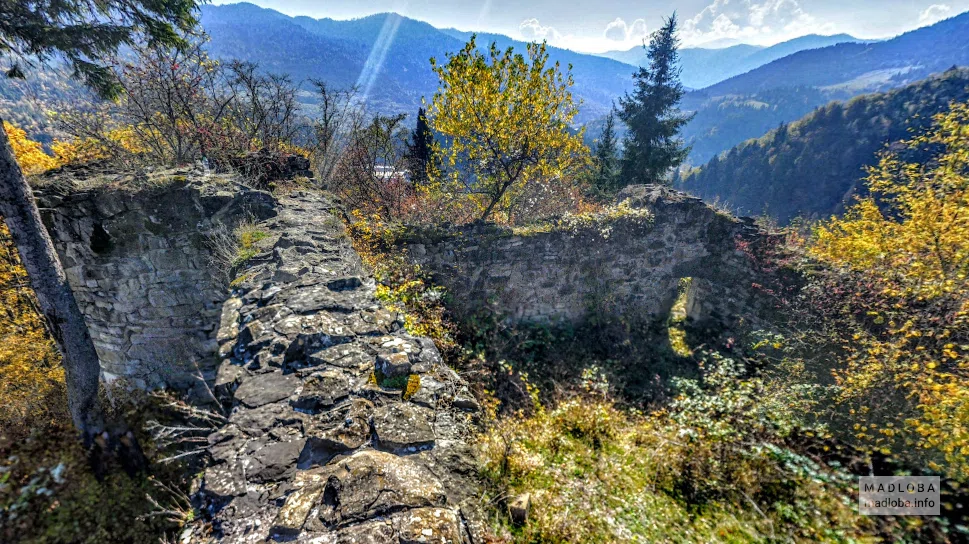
x: 653, y: 147
x: 420, y: 154
x: 606, y: 175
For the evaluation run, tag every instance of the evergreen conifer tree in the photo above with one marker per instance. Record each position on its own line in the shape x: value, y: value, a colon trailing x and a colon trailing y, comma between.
x: 421, y: 149
x: 606, y: 155
x: 653, y: 147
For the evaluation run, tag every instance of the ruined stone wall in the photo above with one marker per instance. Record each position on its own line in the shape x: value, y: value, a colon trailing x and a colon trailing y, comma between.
x: 626, y: 263
x: 141, y: 265
x: 339, y: 426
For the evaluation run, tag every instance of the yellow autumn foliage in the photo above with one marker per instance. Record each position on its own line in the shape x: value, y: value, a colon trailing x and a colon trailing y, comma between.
x: 506, y: 119
x: 82, y: 150
x: 30, y: 370
x: 909, y: 240
x: 29, y: 154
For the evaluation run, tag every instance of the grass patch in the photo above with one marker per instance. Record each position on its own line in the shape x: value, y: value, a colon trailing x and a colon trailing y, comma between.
x: 715, y: 465
x: 248, y: 236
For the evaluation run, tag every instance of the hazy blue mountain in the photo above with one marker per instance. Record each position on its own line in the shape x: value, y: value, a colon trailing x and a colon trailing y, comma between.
x: 749, y: 105
x: 389, y: 51
x: 703, y: 67
x: 862, y: 66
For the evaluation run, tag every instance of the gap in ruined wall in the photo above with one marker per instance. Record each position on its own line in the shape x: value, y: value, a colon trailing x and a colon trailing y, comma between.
x: 677, y: 331
x: 100, y: 239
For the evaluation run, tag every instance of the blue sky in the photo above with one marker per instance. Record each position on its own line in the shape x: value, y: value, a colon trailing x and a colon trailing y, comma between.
x: 601, y: 25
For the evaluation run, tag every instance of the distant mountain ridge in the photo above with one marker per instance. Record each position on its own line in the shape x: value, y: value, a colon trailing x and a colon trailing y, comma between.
x: 748, y: 105
x: 812, y: 167
x: 390, y: 51
x: 905, y: 58
x: 702, y: 67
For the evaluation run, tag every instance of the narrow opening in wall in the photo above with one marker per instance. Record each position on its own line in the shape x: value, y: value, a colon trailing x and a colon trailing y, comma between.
x: 677, y: 322
x: 100, y: 239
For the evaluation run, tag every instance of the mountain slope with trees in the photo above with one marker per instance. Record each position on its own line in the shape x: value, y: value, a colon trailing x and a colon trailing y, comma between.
x: 748, y: 105
x: 703, y: 67
x: 339, y: 52
x: 812, y: 167
x: 908, y: 57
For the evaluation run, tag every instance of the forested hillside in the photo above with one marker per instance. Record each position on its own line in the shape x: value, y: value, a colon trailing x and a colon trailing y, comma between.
x: 748, y: 105
x: 703, y: 67
x: 387, y: 53
x: 812, y: 167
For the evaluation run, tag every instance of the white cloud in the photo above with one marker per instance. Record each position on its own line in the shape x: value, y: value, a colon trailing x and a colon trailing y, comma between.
x: 750, y: 20
x: 616, y: 30
x: 532, y: 30
x: 619, y: 31
x: 934, y: 13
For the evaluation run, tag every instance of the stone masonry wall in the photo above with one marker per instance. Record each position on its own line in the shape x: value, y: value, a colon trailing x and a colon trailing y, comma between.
x: 342, y: 428
x: 628, y: 263
x: 142, y: 269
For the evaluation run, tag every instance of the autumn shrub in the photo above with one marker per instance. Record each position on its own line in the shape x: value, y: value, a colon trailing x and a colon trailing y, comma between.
x: 370, y: 175
x: 506, y: 143
x: 32, y: 387
x: 117, y: 144
x: 179, y: 106
x: 893, y: 301
x: 29, y: 154
x: 714, y: 466
x: 402, y: 285
x: 48, y: 490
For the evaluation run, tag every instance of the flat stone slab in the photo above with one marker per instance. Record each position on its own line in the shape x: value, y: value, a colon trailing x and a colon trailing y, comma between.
x: 403, y: 425
x: 350, y: 356
x: 259, y: 421
x: 322, y: 390
x: 350, y: 433
x: 372, y: 483
x: 271, y: 461
x: 262, y: 389
x: 223, y: 481
x: 429, y: 525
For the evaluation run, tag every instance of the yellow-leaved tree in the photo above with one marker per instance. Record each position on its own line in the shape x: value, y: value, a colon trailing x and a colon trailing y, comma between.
x: 505, y: 119
x: 29, y: 154
x: 30, y: 371
x: 31, y: 377
x: 907, y: 335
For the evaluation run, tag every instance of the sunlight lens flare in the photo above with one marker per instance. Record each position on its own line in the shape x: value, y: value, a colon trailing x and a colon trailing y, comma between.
x: 378, y: 55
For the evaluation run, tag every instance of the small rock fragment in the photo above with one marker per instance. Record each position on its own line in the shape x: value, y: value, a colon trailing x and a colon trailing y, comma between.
x: 519, y: 509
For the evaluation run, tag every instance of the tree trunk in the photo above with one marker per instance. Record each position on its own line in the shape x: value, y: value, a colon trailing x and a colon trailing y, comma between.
x: 80, y: 360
